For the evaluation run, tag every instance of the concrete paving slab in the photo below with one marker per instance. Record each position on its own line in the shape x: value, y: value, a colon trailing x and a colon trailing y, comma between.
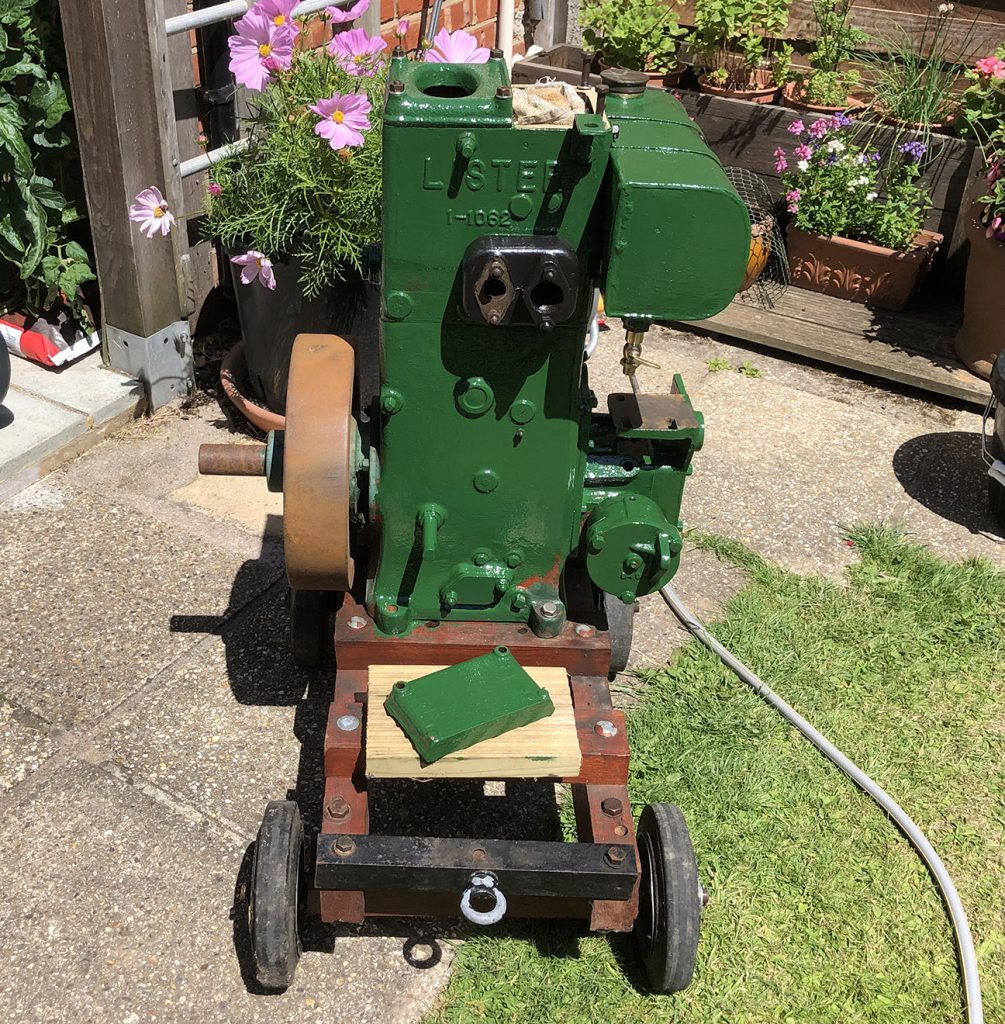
x: 99, y: 597
x: 244, y: 500
x: 31, y: 428
x: 24, y: 745
x: 235, y: 728
x: 148, y: 936
x: 85, y: 386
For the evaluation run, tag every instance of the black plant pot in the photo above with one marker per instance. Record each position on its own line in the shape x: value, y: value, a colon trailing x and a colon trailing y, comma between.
x: 4, y: 371
x: 271, y: 320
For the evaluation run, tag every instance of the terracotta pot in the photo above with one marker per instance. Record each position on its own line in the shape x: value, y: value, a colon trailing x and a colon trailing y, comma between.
x: 765, y: 92
x: 982, y: 335
x: 860, y: 271
x: 234, y: 380
x: 790, y: 98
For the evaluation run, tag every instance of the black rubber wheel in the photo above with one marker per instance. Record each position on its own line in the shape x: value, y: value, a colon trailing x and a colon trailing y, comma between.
x: 666, y: 930
x: 278, y: 892
x: 620, y: 625
x: 310, y: 626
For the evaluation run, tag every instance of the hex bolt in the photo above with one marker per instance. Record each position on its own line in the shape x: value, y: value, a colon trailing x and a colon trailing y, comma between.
x: 357, y: 622
x: 632, y: 562
x: 606, y: 728
x: 496, y: 271
x: 503, y: 92
x: 396, y: 85
x: 398, y: 51
x: 347, y: 723
x: 584, y: 631
x: 495, y: 53
x: 612, y: 806
x: 549, y: 609
x: 338, y: 807
x: 614, y: 856
x: 344, y: 845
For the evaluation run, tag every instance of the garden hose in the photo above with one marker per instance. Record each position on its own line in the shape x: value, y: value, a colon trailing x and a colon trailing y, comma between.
x: 914, y: 835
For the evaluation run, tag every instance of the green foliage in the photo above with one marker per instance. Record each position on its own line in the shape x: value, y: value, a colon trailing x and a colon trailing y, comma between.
x: 40, y: 178
x: 748, y: 370
x: 718, y: 363
x: 993, y: 213
x: 839, y: 185
x: 982, y: 104
x: 820, y: 912
x: 827, y: 83
x: 729, y: 39
x: 637, y: 34
x: 290, y: 194
x: 914, y: 81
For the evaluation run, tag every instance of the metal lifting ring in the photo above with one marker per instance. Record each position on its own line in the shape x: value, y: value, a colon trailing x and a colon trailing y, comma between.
x: 318, y: 463
x: 483, y: 884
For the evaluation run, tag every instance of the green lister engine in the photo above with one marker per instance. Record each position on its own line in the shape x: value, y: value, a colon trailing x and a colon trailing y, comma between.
x: 473, y: 520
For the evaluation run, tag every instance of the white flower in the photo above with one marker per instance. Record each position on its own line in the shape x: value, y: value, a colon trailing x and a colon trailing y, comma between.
x: 803, y: 165
x: 863, y: 180
x: 861, y: 159
x: 946, y: 8
x: 870, y: 196
x: 836, y: 146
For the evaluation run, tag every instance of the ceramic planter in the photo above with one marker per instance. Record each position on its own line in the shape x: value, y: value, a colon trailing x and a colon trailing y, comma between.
x: 859, y: 271
x: 982, y: 335
x: 271, y: 320
x: 765, y: 91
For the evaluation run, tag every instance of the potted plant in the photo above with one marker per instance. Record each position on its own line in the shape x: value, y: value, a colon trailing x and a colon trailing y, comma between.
x: 731, y: 43
x: 982, y: 103
x: 982, y: 335
x: 640, y: 35
x: 913, y: 84
x: 857, y: 218
x: 826, y: 88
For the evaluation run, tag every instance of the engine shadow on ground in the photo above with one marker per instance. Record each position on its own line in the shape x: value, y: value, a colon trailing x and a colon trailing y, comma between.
x: 944, y: 472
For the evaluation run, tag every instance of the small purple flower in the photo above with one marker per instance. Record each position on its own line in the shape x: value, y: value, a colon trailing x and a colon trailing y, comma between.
x: 781, y: 164
x: 256, y: 265
x: 914, y: 150
x: 802, y: 152
x: 259, y: 43
x: 876, y: 156
x: 820, y: 127
x: 842, y: 121
x: 150, y: 211
x: 357, y: 51
x: 341, y: 16
x: 796, y: 128
x: 458, y: 47
x: 343, y: 119
x: 792, y: 197
x: 214, y: 189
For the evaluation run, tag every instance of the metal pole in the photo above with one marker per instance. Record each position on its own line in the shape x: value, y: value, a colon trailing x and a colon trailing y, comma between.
x: 206, y: 160
x: 235, y: 9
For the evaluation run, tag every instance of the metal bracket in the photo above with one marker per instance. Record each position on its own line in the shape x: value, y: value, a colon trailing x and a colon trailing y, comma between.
x: 162, y: 362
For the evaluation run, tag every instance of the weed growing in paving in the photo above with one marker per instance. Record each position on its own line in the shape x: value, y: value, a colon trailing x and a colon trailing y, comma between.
x: 820, y: 911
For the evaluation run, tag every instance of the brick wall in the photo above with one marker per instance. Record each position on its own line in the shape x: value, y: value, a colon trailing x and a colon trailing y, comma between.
x: 476, y: 16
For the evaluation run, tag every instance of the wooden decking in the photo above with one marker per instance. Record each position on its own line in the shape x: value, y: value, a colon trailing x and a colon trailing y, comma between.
x: 913, y: 348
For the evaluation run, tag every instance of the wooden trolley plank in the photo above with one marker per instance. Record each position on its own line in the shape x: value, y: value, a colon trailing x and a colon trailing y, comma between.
x: 548, y: 748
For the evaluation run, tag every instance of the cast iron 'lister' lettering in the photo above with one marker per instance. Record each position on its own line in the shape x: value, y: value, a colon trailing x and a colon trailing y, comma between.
x: 500, y: 174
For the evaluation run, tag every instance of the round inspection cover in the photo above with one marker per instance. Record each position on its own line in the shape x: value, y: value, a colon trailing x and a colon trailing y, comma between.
x: 318, y: 463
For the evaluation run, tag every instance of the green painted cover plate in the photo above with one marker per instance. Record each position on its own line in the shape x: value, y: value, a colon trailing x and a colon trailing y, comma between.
x: 460, y: 706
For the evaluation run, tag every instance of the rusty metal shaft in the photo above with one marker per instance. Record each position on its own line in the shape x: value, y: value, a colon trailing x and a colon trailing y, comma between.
x: 232, y: 459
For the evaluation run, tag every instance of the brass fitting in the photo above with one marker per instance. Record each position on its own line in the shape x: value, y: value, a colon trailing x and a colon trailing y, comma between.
x: 631, y: 354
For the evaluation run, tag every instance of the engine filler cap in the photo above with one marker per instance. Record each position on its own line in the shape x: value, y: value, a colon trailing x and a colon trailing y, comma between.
x: 623, y: 82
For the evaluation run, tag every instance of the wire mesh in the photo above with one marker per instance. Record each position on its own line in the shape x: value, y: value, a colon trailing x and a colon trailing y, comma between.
x: 768, y: 266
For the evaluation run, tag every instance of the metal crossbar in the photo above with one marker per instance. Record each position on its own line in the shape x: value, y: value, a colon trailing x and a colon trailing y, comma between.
x: 234, y: 9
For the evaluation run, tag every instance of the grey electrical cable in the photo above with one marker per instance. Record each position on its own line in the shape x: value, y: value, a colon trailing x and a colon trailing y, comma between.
x: 914, y: 835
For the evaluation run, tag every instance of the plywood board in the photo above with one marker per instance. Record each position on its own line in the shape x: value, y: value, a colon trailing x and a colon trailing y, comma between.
x: 548, y: 748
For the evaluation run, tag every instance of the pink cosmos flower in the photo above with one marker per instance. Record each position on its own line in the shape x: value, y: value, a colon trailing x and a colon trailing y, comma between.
x: 402, y: 30
x: 259, y: 49
x: 458, y: 47
x: 256, y: 265
x: 150, y: 211
x: 792, y: 198
x: 819, y: 128
x: 340, y: 15
x: 802, y: 152
x: 214, y: 189
x: 279, y: 12
x: 343, y: 119
x: 781, y: 164
x: 356, y: 51
x: 796, y: 128
x: 991, y: 67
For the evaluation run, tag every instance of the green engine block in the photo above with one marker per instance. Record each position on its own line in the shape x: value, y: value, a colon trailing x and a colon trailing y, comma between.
x: 492, y: 467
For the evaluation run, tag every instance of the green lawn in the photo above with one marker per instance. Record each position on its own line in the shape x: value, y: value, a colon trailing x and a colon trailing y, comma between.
x: 820, y: 911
